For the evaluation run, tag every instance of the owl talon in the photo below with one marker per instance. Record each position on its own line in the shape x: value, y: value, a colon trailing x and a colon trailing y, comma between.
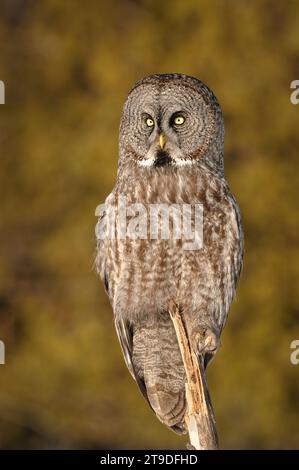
x: 205, y: 341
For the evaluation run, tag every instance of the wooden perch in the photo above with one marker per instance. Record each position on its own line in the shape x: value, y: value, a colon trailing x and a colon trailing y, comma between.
x: 200, y: 419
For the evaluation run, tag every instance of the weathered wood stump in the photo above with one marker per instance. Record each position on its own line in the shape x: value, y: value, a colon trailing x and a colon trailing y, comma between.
x: 199, y: 417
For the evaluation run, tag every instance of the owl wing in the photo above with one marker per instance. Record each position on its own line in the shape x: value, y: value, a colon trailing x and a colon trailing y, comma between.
x: 236, y: 258
x: 123, y: 329
x: 125, y: 336
x: 103, y: 242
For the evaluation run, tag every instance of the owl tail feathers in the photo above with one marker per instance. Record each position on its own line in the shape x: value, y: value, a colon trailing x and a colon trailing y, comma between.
x: 169, y: 407
x: 163, y: 371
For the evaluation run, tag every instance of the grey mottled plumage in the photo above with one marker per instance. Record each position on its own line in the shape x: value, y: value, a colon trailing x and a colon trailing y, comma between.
x: 143, y: 276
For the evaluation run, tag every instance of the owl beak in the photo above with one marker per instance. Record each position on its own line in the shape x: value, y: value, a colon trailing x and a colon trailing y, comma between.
x: 162, y: 141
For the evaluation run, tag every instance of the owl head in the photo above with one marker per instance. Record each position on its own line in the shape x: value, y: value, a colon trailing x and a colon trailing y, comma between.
x: 171, y: 121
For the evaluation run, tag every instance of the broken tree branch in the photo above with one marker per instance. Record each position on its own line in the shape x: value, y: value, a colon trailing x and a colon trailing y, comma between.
x: 199, y: 417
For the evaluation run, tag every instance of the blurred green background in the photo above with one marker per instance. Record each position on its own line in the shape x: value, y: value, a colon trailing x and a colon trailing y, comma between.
x: 67, y: 67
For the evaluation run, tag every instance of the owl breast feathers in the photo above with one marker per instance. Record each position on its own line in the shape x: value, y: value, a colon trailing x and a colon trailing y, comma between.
x: 170, y: 156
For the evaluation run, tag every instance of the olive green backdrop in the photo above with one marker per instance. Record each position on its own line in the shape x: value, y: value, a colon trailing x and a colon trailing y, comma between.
x: 67, y: 66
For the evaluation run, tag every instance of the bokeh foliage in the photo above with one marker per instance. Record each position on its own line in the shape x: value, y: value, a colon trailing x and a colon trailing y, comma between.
x: 67, y: 67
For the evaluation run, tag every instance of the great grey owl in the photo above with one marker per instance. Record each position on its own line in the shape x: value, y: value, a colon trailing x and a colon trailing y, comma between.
x: 170, y: 154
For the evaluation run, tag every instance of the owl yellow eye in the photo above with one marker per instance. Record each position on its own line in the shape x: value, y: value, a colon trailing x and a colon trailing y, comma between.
x: 179, y: 120
x: 149, y: 122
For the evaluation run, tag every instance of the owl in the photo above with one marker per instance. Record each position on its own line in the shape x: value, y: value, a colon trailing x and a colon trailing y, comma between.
x: 170, y: 156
